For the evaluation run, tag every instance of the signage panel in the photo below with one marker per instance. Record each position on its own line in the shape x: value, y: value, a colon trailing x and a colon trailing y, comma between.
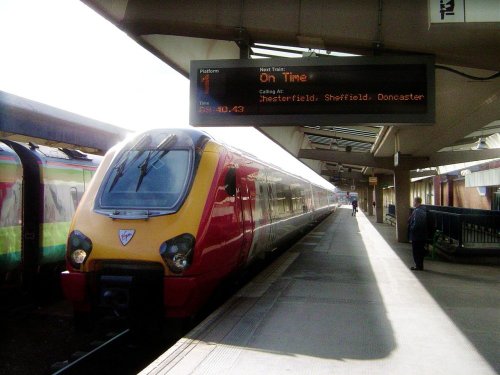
x: 453, y: 11
x: 312, y: 91
x: 446, y: 11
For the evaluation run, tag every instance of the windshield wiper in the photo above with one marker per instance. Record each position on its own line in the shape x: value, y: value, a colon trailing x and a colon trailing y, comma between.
x: 144, y: 171
x: 119, y: 173
x: 120, y: 168
x: 164, y: 148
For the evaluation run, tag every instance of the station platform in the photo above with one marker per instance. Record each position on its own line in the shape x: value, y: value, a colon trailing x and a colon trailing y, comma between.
x: 343, y: 301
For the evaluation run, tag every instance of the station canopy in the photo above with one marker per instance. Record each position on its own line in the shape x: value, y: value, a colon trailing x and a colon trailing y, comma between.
x: 465, y: 47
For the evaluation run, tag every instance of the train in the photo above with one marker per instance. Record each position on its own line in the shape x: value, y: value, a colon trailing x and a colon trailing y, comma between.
x: 40, y: 188
x: 171, y: 214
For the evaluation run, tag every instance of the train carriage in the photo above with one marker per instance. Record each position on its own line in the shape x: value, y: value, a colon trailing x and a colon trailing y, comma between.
x: 11, y: 178
x: 53, y: 182
x: 173, y: 212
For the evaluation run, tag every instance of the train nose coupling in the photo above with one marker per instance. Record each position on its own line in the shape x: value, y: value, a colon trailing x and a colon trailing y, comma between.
x: 115, y: 292
x: 116, y: 299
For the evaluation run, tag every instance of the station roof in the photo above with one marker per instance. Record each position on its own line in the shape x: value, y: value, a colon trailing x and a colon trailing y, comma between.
x: 26, y: 120
x: 467, y: 109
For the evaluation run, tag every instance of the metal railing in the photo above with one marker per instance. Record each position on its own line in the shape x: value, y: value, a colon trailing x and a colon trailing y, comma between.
x: 390, y: 216
x: 468, y: 227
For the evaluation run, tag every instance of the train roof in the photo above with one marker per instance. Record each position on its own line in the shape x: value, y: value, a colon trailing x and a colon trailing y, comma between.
x: 47, y: 153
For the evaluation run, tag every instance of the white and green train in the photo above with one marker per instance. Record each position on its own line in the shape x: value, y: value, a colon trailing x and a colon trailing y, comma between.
x: 40, y: 188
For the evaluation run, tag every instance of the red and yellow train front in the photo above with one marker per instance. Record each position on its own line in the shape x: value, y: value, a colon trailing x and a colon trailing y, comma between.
x: 136, y: 236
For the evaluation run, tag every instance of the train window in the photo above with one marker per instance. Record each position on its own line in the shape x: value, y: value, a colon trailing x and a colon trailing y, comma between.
x: 280, y: 198
x: 230, y: 182
x: 148, y: 179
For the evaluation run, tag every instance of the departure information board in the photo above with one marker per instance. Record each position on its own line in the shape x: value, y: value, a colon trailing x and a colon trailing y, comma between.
x: 312, y: 91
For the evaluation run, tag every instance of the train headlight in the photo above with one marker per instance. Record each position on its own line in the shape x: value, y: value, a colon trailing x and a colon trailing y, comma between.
x: 177, y: 252
x: 78, y: 256
x: 79, y: 248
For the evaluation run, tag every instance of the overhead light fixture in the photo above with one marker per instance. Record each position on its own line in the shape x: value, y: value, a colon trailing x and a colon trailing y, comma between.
x: 481, y: 144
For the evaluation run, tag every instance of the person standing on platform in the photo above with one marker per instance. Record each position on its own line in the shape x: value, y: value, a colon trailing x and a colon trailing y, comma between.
x: 418, y: 233
x: 354, y: 207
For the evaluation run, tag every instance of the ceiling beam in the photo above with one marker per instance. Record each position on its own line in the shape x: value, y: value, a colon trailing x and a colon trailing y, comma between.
x: 465, y: 141
x: 337, y: 135
x: 474, y: 137
x: 354, y: 148
x: 356, y: 168
x: 375, y: 128
x: 429, y: 173
x: 406, y: 162
x: 454, y: 157
x: 357, y: 158
x: 366, y: 159
x: 330, y: 173
x: 484, y: 132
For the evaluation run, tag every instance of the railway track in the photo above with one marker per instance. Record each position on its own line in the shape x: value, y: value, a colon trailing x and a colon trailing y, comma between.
x: 123, y: 351
x: 79, y: 360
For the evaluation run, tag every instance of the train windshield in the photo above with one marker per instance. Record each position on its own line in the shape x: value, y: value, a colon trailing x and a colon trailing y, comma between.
x: 147, y: 179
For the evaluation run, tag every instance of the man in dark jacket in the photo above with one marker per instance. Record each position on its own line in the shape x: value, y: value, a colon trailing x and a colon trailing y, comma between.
x: 418, y: 233
x: 354, y: 207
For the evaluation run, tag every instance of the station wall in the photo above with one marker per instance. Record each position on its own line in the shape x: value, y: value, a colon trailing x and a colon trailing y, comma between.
x: 449, y: 190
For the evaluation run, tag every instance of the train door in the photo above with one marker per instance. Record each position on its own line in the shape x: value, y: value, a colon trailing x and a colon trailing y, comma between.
x: 11, y: 182
x: 244, y: 197
x: 32, y: 207
x: 271, y: 195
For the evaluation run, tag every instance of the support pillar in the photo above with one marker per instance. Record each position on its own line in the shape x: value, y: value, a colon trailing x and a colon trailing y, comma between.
x: 370, y: 200
x: 402, y: 192
x: 379, y: 201
x: 450, y: 191
x: 365, y: 199
x: 359, y: 190
x: 436, y: 182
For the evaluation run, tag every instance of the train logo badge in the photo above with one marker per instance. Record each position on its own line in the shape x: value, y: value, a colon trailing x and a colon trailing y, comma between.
x: 126, y: 235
